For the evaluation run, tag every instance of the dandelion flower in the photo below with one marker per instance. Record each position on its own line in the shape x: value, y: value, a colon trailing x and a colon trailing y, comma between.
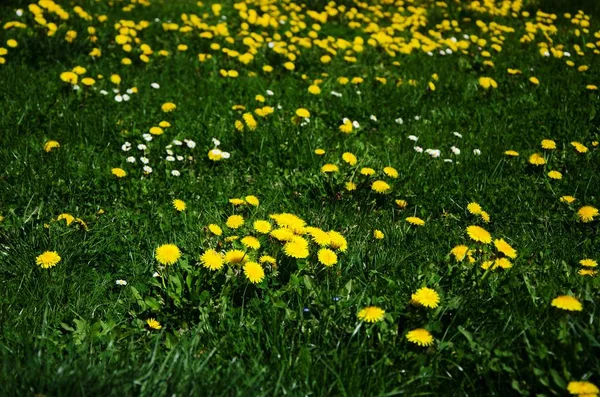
x: 254, y: 272
x: 328, y: 168
x: 153, y: 324
x: 234, y: 221
x: 537, y: 159
x: 459, y: 252
x: 48, y: 146
x: 367, y: 171
x: 319, y: 236
x: 179, y: 205
x: 212, y: 260
x: 267, y: 259
x: 401, y: 203
x: 554, y: 175
x: 118, y: 172
x: 371, y: 314
x: 391, y: 172
x: 567, y: 302
x: 167, y: 254
x: 380, y: 187
x: 548, y: 144
x: 474, y: 208
x: 350, y: 186
x: 168, y: 107
x: 505, y: 248
x: 319, y: 152
x: 587, y: 272
x: 567, y: 199
x: 580, y: 148
x: 250, y: 242
x: 338, y: 242
x: 511, y: 153
x: 349, y: 158
x: 215, y: 229
x: 252, y: 200
x: 297, y: 248
x: 477, y: 233
x: 420, y: 336
x: 534, y: 80
x: 235, y: 257
x: 426, y: 297
x: 48, y: 259
x: 588, y: 263
x: 583, y: 389
x: 378, y: 234
x: 587, y: 213
x: 303, y: 113
x: 262, y: 226
x: 327, y: 257
x: 413, y: 220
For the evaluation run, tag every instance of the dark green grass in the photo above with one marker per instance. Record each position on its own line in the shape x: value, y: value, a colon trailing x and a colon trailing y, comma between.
x: 71, y: 331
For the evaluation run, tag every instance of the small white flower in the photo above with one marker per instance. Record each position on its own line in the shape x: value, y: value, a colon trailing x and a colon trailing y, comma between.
x: 216, y: 152
x: 216, y: 142
x: 413, y: 138
x: 418, y: 149
x: 130, y: 159
x: 457, y: 134
x: 447, y: 160
x: 147, y: 169
x: 373, y: 117
x: 269, y: 92
x: 567, y: 54
x: 118, y: 98
x: 177, y: 142
x: 141, y: 146
x: 156, y: 20
x: 272, y: 43
x: 191, y: 144
x: 453, y: 39
x: 337, y: 94
x: 546, y: 53
x: 156, y: 86
x: 130, y: 91
x: 476, y: 152
x: 126, y: 97
x: 175, y: 173
x: 399, y: 120
x: 225, y: 155
x: 169, y: 147
x: 448, y: 51
x: 147, y: 137
x: 76, y: 87
x: 144, y: 160
x: 155, y: 274
x: 279, y: 107
x: 121, y: 282
x: 430, y: 53
x: 455, y: 150
x: 179, y: 158
x: 417, y: 118
x: 466, y: 36
x: 126, y: 147
x: 103, y: 92
x: 355, y: 124
x: 435, y: 153
x: 442, y: 52
x: 115, y: 90
x: 170, y: 158
x: 358, y: 92
x: 169, y: 152
x: 19, y: 12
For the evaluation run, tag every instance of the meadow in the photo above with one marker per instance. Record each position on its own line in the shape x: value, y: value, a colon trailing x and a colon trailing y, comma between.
x: 299, y: 198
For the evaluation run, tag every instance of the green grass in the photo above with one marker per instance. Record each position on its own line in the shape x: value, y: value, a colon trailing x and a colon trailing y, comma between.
x: 70, y: 330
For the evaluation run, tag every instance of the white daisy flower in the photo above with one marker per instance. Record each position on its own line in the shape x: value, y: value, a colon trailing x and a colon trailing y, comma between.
x: 225, y: 155
x: 373, y: 117
x: 103, y: 92
x: 476, y: 152
x: 191, y: 144
x: 418, y: 149
x: 455, y: 150
x: 147, y: 137
x: 144, y: 160
x: 147, y: 169
x: 413, y: 138
x: 130, y: 159
x: 269, y: 92
x: 118, y: 98
x: 170, y: 158
x: 156, y: 86
x: 175, y: 173
x: 216, y: 142
x: 179, y: 158
x: 126, y: 147
x: 355, y: 124
x: 121, y: 282
x: 177, y: 142
x: 457, y: 134
x: 141, y: 146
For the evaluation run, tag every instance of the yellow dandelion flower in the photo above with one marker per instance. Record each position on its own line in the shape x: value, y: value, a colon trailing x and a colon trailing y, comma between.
x: 505, y: 248
x: 252, y: 200
x: 401, y: 204
x: 267, y: 259
x: 567, y: 199
x: 367, y: 171
x: 212, y: 260
x: 587, y: 213
x: 350, y: 186
x: 118, y: 172
x: 587, y: 272
x: 235, y: 257
x: 329, y: 168
x: 236, y: 201
x: 319, y: 236
x: 67, y: 217
x: 47, y: 259
x: 327, y: 257
x: 167, y: 254
x: 537, y: 159
x: 349, y: 158
x: 426, y: 297
x: 250, y: 121
x: 314, y: 89
x: 378, y: 234
x: 250, y: 242
x: 420, y: 336
x: 588, y: 263
x: 568, y: 303
x: 254, y: 272
x: 346, y: 127
x: 179, y: 205
x: 511, y: 153
x: 168, y: 107
x: 319, y: 152
x: 554, y: 175
x: 485, y: 216
x: 548, y: 144
x: 459, y: 252
x: 215, y: 229
x: 371, y: 314
x: 583, y: 389
x: 474, y: 208
x: 380, y: 187
x: 153, y: 324
x: 479, y: 234
x: 534, y: 80
x: 262, y: 226
x: 296, y: 248
x: 391, y: 172
x: 235, y: 221
x: 302, y: 112
x: 413, y: 220
x: 156, y: 130
x: 579, y: 147
x: 337, y: 241
x: 48, y: 146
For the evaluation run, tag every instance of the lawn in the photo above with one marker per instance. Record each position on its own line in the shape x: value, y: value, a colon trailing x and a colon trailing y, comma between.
x: 286, y: 198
